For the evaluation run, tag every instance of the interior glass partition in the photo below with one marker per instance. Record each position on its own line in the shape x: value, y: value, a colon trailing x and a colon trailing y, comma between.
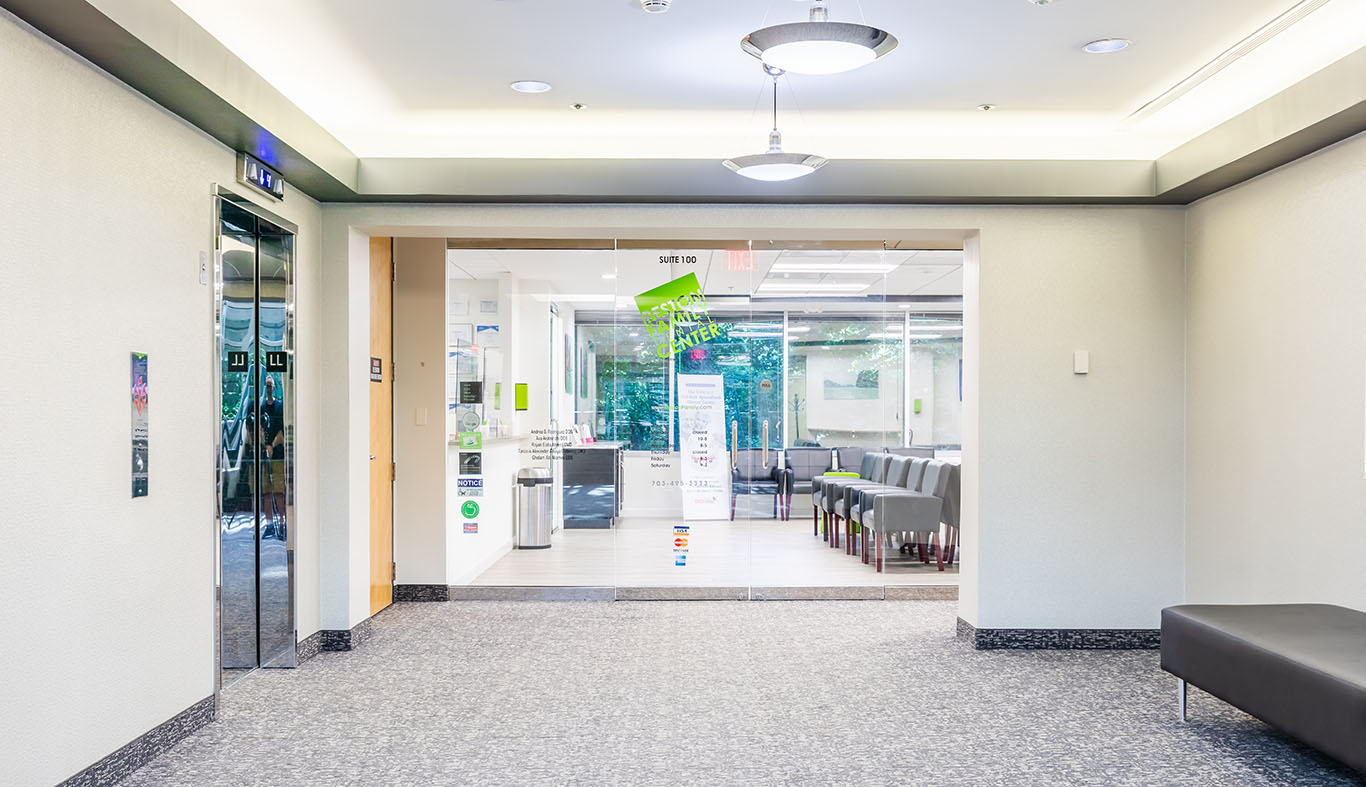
x: 641, y: 358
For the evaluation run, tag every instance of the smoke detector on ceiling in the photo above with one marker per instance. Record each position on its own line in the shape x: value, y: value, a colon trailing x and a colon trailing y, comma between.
x: 655, y: 6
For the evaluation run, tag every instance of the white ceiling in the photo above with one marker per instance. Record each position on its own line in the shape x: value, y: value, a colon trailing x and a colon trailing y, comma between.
x: 581, y: 277
x: 429, y: 77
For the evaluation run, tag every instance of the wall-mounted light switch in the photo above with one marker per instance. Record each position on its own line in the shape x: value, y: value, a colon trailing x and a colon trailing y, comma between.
x: 420, y: 416
x: 1081, y: 362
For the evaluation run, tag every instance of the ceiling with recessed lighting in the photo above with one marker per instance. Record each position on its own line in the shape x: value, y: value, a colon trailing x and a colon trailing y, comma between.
x: 430, y: 78
x: 837, y: 277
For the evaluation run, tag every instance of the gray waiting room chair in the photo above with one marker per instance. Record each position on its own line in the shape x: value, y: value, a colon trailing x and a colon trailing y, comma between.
x: 749, y: 475
x: 846, y: 508
x: 818, y: 489
x: 833, y: 489
x: 919, y: 513
x: 802, y: 468
x: 850, y: 458
x: 864, y: 499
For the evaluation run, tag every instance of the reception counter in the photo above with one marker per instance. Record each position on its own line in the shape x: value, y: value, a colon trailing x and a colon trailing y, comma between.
x: 592, y: 485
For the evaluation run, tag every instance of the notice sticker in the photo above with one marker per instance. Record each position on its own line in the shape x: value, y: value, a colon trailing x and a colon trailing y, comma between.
x: 471, y: 527
x: 470, y: 487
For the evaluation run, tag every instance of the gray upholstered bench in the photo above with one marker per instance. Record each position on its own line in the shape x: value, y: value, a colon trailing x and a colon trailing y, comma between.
x: 1299, y: 667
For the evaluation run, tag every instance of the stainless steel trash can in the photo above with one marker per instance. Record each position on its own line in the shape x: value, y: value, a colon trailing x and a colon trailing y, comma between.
x: 534, y: 485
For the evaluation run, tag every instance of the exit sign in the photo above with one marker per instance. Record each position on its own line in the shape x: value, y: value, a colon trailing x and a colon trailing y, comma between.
x: 255, y: 173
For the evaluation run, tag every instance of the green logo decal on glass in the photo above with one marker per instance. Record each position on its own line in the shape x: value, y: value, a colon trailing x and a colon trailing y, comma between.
x: 471, y: 441
x: 469, y: 509
x: 680, y: 304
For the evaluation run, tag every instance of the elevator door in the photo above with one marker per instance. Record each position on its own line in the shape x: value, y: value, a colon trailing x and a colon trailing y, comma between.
x: 256, y: 457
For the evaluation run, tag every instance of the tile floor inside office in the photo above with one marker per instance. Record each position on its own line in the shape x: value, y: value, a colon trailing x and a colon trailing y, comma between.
x: 715, y: 694
x: 753, y: 550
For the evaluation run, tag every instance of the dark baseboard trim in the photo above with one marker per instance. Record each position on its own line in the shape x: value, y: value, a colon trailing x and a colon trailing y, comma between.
x: 344, y: 639
x: 145, y: 748
x: 308, y: 647
x: 1059, y: 639
x: 422, y: 593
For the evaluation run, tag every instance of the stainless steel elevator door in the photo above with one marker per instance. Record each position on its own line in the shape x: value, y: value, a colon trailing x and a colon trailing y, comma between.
x: 256, y: 458
x: 275, y: 460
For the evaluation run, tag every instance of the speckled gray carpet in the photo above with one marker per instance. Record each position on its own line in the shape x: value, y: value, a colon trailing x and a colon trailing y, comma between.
x: 719, y: 693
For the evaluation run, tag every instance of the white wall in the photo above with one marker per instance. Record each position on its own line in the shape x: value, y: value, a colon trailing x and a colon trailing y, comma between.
x: 344, y: 470
x: 1277, y: 501
x: 420, y: 385
x: 105, y: 208
x: 1078, y: 516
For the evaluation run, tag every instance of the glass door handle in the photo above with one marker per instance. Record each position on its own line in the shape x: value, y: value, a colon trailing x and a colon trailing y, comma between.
x: 734, y: 450
x: 765, y: 443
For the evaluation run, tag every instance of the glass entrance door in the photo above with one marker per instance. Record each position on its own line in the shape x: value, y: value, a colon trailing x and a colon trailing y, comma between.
x: 254, y: 326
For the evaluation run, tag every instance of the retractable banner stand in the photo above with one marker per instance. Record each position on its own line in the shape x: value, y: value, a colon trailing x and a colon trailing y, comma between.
x: 702, y: 443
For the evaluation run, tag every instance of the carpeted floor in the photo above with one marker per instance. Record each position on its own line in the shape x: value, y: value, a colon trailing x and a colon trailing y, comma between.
x: 719, y: 693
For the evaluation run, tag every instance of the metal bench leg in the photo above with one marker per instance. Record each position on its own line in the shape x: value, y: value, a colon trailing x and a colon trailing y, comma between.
x: 1181, y: 696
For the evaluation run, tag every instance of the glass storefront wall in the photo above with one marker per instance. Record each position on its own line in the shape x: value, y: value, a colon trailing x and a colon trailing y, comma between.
x: 830, y: 353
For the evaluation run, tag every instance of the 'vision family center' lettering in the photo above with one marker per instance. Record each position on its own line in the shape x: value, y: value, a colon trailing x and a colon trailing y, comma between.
x: 681, y: 306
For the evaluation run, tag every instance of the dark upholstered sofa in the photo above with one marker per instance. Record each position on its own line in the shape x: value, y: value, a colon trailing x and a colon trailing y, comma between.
x: 1299, y: 667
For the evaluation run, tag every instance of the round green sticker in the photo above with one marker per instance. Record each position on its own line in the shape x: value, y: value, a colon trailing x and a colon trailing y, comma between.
x: 470, y: 509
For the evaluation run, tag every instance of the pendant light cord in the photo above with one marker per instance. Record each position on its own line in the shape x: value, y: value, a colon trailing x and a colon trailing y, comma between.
x: 775, y: 103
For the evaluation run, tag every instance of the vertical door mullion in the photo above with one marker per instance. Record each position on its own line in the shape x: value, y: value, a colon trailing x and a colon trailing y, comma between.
x: 256, y: 431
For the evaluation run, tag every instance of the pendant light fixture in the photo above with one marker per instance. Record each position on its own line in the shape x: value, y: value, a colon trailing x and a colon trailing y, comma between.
x: 775, y: 165
x: 818, y: 46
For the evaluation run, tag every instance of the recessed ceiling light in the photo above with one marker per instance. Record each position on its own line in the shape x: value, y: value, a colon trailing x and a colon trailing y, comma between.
x: 986, y: 107
x: 609, y: 275
x: 829, y: 286
x: 818, y: 46
x: 530, y: 86
x: 1039, y: 2
x: 1105, y: 46
x: 816, y: 266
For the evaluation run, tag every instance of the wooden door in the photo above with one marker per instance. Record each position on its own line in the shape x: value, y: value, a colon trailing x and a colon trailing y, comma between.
x: 381, y: 424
